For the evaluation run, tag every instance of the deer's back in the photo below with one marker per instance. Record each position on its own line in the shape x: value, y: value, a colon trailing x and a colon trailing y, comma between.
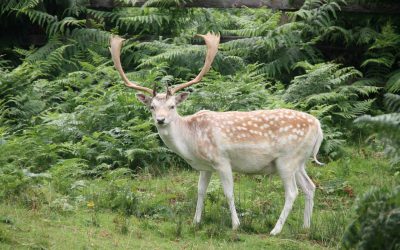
x: 256, y: 136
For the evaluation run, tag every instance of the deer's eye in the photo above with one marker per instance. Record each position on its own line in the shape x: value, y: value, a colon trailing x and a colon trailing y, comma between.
x: 171, y: 107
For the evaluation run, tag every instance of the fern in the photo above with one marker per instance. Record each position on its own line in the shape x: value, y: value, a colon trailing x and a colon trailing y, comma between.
x: 393, y: 83
x: 386, y: 127
x: 375, y: 226
x: 392, y: 102
x: 76, y: 7
x: 39, y: 17
x: 15, y: 5
x: 383, y: 53
x: 61, y: 26
x: 281, y: 46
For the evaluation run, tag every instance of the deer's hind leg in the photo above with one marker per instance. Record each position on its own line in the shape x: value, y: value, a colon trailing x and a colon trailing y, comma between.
x: 287, y: 169
x: 308, y: 188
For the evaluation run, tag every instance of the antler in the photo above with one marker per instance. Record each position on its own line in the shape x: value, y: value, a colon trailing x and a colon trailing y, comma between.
x: 212, y: 41
x: 115, y: 49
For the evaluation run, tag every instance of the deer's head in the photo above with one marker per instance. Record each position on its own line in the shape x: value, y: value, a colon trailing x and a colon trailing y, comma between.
x: 163, y: 105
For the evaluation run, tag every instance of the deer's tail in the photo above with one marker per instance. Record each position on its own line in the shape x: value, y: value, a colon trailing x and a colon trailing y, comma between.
x: 317, y: 145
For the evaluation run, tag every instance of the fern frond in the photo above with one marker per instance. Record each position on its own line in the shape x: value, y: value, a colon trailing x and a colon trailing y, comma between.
x: 103, y: 14
x: 54, y: 60
x: 393, y: 83
x: 392, y: 102
x: 146, y: 20
x: 60, y: 26
x: 163, y: 3
x: 76, y: 7
x: 39, y: 17
x: 387, y: 122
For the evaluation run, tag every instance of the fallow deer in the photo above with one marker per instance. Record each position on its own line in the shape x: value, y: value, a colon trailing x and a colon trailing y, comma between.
x: 256, y: 142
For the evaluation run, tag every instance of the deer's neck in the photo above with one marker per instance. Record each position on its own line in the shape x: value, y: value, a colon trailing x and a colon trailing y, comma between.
x: 176, y: 136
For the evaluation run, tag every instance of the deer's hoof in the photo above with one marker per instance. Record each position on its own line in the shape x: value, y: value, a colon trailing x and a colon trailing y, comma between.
x: 235, y: 225
x: 275, y: 231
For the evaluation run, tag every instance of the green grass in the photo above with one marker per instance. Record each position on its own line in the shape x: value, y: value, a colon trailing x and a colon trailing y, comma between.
x: 33, y: 229
x: 160, y: 213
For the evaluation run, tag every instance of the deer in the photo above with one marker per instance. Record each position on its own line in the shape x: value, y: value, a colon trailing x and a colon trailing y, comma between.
x: 255, y: 142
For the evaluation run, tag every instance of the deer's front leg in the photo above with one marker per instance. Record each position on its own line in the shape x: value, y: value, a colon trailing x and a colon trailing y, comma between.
x: 204, y: 180
x: 225, y: 173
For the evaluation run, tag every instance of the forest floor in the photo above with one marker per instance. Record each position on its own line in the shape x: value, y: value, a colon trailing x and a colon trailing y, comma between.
x: 166, y: 204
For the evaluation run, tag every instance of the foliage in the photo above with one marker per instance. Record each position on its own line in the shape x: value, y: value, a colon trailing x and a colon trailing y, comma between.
x: 386, y: 127
x: 278, y: 44
x: 377, y: 222
x: 95, y: 124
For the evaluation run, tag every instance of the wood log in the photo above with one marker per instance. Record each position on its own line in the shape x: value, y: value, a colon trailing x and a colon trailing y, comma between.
x: 285, y: 5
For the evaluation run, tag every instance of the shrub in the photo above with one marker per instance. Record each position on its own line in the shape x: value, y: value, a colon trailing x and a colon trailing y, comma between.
x: 376, y: 225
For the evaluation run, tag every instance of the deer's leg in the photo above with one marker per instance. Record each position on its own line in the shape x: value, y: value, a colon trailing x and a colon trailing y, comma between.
x: 204, y: 180
x: 308, y: 188
x: 225, y: 173
x: 287, y: 172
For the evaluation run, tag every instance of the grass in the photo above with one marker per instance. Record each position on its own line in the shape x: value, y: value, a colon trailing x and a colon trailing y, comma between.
x: 158, y: 211
x: 32, y: 229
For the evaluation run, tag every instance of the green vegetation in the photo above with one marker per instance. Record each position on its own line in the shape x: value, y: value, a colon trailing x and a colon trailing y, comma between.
x: 377, y: 220
x: 81, y: 162
x: 96, y: 213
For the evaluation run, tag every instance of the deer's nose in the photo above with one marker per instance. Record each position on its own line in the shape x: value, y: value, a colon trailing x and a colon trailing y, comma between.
x: 161, y: 120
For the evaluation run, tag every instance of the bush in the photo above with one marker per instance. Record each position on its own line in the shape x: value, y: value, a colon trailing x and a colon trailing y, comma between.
x: 377, y: 223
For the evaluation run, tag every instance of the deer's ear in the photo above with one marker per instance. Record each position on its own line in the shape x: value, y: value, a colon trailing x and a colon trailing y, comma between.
x: 181, y: 97
x: 145, y: 99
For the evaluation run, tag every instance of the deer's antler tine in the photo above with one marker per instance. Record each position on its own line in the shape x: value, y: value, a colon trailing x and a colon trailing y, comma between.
x: 115, y: 49
x: 212, y: 42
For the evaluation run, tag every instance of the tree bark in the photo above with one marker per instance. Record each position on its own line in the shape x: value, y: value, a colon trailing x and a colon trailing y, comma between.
x: 285, y: 5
